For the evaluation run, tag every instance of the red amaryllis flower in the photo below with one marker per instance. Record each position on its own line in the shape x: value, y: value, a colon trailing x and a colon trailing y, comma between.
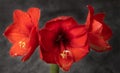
x: 63, y: 42
x: 99, y: 32
x: 23, y: 33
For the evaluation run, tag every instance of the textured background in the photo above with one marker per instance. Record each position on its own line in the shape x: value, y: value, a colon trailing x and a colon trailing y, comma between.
x: 107, y: 62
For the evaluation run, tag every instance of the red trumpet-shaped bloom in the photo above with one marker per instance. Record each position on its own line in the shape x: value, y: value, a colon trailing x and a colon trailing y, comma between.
x: 99, y: 32
x: 63, y: 42
x: 23, y: 33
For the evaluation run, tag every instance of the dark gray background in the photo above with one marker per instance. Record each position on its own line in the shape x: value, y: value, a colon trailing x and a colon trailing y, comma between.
x: 107, y: 62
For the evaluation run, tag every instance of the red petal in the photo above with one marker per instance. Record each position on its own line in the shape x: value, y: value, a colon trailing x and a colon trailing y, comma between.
x: 79, y: 36
x: 19, y: 48
x: 47, y: 39
x: 63, y: 22
x: 68, y: 23
x: 79, y: 53
x: 103, y: 29
x: 60, y: 18
x: 79, y: 42
x: 89, y: 17
x: 96, y: 27
x: 14, y: 33
x: 106, y: 32
x: 98, y: 43
x: 53, y: 26
x: 40, y: 52
x: 49, y: 56
x: 22, y: 19
x: 99, y: 16
x: 34, y: 15
x: 33, y: 43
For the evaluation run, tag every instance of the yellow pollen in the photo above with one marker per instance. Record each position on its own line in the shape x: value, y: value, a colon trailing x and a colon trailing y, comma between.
x: 64, y: 54
x: 22, y: 44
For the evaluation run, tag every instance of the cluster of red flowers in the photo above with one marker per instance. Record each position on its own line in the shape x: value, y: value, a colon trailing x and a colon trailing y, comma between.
x: 62, y: 40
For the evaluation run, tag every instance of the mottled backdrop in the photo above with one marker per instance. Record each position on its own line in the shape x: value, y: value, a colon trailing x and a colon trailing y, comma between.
x: 107, y: 62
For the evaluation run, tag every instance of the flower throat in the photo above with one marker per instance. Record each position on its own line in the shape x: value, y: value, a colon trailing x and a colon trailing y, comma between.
x: 62, y: 37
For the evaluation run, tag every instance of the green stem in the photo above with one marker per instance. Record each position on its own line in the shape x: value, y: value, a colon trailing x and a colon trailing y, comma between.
x: 54, y: 68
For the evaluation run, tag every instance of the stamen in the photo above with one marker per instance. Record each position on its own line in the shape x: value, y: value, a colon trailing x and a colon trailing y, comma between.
x: 65, y: 59
x: 22, y: 44
x: 65, y: 53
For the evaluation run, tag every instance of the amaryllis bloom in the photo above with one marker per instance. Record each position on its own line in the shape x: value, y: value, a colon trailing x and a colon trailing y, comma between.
x: 99, y: 32
x: 63, y: 42
x: 23, y: 33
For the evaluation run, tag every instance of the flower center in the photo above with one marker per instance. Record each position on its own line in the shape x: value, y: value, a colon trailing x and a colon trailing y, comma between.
x: 62, y: 37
